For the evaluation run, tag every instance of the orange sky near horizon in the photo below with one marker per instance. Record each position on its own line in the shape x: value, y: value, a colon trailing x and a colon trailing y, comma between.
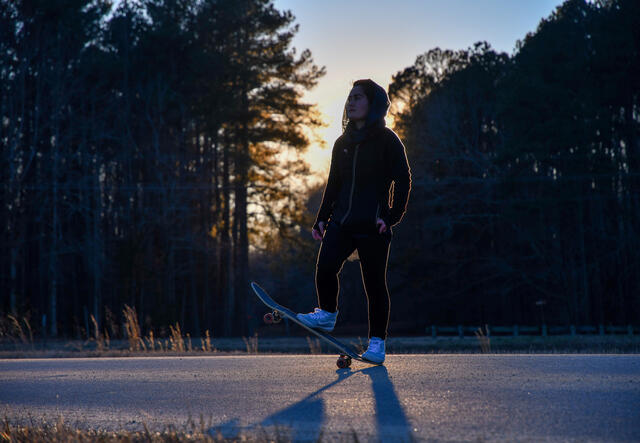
x: 362, y: 39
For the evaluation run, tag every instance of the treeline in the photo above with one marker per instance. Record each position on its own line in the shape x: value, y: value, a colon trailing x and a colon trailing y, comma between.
x: 525, y: 205
x: 149, y: 158
x: 144, y: 150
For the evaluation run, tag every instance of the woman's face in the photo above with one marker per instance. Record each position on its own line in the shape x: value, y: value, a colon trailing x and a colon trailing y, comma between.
x: 357, y: 104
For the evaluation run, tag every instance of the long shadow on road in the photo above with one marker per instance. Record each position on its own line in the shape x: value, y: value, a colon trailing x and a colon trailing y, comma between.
x: 304, y: 419
x: 390, y: 417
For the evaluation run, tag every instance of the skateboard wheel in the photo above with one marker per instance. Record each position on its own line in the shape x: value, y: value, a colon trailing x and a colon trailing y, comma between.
x: 268, y: 318
x: 277, y: 318
x: 344, y: 361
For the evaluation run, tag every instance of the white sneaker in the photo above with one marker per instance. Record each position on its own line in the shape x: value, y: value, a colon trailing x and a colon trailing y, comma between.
x: 375, y: 351
x: 319, y: 319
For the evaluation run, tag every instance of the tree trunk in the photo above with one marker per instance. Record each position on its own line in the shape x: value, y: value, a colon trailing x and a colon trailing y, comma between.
x: 12, y: 289
x: 227, y: 240
x: 95, y: 249
x: 584, y: 306
x: 53, y: 257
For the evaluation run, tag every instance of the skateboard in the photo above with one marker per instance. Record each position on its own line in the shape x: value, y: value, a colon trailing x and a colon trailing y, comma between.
x: 347, y: 353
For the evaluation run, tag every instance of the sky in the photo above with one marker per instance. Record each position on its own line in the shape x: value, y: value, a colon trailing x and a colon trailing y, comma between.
x: 356, y: 39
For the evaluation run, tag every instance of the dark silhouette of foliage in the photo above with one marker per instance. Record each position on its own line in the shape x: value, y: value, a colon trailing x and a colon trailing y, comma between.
x: 139, y: 147
x: 526, y: 175
x: 150, y: 158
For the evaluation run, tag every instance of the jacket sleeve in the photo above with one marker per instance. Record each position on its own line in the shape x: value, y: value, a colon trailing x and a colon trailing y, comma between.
x: 330, y: 194
x: 401, y: 177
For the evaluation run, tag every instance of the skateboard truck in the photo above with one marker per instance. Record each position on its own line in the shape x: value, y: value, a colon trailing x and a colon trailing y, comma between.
x: 272, y: 317
x: 344, y: 361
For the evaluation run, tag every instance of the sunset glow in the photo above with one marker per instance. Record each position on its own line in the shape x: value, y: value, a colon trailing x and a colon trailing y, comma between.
x: 359, y: 39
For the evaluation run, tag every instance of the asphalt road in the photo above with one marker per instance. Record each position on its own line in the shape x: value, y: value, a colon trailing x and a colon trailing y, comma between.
x: 424, y: 397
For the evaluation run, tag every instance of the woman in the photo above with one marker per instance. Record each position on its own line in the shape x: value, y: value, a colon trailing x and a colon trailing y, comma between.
x: 355, y: 214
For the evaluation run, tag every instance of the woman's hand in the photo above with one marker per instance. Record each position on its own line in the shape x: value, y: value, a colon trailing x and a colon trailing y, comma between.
x: 317, y: 234
x: 381, y: 225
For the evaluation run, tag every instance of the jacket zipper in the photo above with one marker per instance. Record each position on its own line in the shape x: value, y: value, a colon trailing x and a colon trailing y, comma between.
x: 353, y: 182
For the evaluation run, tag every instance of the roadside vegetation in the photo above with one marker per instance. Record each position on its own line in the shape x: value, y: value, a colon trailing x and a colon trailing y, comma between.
x: 62, y: 432
x: 192, y: 431
x: 18, y: 340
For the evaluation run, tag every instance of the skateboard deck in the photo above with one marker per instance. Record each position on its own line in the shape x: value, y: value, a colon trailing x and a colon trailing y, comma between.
x: 347, y: 352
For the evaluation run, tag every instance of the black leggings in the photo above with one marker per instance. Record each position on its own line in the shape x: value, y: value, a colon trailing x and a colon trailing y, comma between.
x: 373, y: 249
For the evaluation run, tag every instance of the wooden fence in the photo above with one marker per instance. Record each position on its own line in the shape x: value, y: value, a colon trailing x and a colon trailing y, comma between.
x: 542, y: 330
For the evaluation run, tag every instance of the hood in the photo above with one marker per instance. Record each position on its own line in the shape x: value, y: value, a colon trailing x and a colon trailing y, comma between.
x: 378, y: 106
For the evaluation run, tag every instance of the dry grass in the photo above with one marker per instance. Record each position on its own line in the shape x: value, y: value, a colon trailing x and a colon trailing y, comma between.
x: 123, y: 337
x: 60, y: 432
x: 251, y: 343
x: 314, y: 345
x: 16, y: 332
x: 151, y: 342
x: 206, y: 343
x: 11, y: 329
x: 483, y: 340
x: 102, y: 340
x: 132, y: 327
x: 175, y: 339
x: 361, y: 346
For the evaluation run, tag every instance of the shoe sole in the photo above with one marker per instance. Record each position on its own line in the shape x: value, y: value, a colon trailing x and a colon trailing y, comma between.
x: 372, y: 360
x: 314, y: 327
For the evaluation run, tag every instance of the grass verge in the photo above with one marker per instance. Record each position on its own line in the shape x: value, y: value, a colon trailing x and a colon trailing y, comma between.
x: 60, y: 432
x: 586, y: 344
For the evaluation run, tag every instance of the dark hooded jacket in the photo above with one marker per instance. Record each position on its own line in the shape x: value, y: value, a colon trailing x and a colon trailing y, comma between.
x: 364, y: 165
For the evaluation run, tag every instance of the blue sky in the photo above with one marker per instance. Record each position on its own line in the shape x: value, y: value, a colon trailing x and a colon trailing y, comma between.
x: 367, y: 39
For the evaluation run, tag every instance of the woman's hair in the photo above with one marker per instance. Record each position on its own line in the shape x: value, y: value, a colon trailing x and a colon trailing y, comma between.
x: 378, y: 103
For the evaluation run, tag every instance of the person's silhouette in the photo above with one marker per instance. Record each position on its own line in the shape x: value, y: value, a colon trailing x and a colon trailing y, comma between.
x: 355, y: 214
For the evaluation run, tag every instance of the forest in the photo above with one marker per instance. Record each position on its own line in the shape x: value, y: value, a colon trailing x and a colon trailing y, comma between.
x: 152, y: 157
